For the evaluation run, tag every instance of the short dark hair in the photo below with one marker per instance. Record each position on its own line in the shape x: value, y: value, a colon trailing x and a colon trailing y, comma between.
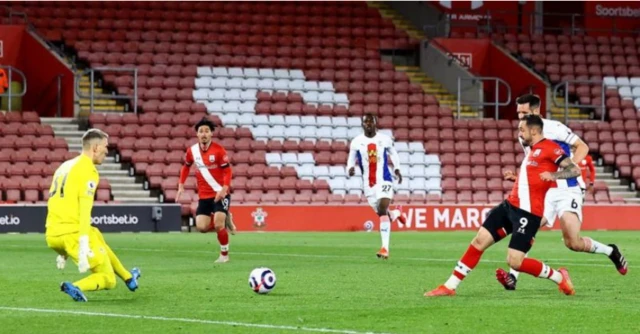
x: 534, y: 121
x: 92, y: 135
x: 369, y: 115
x: 532, y: 99
x: 205, y: 122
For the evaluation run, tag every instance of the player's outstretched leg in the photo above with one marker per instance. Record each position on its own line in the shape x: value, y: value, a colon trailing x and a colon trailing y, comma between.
x: 619, y: 260
x: 130, y: 278
x: 385, y: 227
x: 204, y: 223
x: 467, y: 263
x: 570, y: 223
x: 397, y: 215
x: 229, y: 225
x: 132, y: 283
x: 219, y: 219
x: 535, y: 268
x: 73, y: 291
x: 102, y: 277
x: 508, y: 279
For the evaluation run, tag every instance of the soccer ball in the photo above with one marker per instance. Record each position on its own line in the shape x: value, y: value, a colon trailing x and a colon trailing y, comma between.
x: 368, y: 226
x: 262, y: 280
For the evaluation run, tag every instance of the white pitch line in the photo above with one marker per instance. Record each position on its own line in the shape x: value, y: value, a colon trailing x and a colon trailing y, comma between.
x: 585, y: 263
x: 582, y: 263
x: 198, y: 321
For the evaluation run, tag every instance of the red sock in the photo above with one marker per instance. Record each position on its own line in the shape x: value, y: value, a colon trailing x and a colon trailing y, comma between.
x: 223, y: 239
x: 468, y: 261
x: 535, y: 268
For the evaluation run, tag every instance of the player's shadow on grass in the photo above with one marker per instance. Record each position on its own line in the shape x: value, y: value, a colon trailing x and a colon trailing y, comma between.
x: 120, y: 301
x: 275, y: 295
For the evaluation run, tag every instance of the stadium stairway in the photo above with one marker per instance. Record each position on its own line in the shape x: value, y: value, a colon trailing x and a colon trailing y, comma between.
x: 617, y: 187
x: 124, y: 187
x: 573, y: 114
x: 397, y: 19
x: 429, y: 86
x: 99, y: 105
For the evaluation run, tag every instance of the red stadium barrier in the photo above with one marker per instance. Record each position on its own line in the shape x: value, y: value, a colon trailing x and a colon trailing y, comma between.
x: 24, y: 52
x: 10, y: 40
x: 420, y: 218
x: 488, y: 60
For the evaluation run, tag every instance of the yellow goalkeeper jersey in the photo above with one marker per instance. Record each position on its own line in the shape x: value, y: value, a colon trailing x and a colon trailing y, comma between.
x: 71, y: 197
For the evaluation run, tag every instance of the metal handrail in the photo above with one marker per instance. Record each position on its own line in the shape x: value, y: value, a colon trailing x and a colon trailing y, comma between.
x: 9, y: 92
x: 568, y: 105
x: 11, y: 13
x: 92, y: 95
x: 496, y: 104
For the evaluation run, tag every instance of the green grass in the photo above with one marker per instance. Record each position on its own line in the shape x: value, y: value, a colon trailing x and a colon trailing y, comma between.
x: 325, y: 280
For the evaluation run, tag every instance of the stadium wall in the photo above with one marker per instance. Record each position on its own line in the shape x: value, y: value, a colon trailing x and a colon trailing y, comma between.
x: 41, y: 68
x: 487, y: 60
x: 437, y: 64
x: 419, y: 218
x: 302, y: 218
x: 10, y: 41
x: 109, y: 218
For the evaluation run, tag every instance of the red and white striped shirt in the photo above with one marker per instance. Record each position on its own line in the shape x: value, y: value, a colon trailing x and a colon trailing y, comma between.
x: 529, y: 190
x: 213, y: 172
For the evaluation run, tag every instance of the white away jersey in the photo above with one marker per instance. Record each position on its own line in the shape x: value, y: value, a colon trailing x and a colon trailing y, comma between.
x: 372, y: 157
x: 563, y: 136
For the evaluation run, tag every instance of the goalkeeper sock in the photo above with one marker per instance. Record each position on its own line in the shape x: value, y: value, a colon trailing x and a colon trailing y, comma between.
x: 536, y: 268
x: 385, y: 231
x: 223, y: 239
x: 592, y: 246
x: 96, y: 281
x: 468, y: 261
x: 118, y: 268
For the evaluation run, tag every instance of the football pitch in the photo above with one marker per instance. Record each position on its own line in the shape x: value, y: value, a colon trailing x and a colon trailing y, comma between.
x: 326, y: 282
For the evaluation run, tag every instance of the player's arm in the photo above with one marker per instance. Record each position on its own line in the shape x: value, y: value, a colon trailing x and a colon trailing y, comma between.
x: 581, y: 149
x: 226, y: 173
x: 351, y: 160
x: 395, y: 160
x: 184, y: 172
x: 570, y: 169
x: 86, y: 185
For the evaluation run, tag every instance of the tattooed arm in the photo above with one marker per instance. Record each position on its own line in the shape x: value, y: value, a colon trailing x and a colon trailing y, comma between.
x: 570, y: 169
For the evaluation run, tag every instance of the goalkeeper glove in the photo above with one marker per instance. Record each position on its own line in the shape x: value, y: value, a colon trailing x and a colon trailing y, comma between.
x: 84, y: 253
x: 61, y: 260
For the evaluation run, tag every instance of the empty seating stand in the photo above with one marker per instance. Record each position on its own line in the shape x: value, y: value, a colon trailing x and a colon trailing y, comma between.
x: 29, y: 155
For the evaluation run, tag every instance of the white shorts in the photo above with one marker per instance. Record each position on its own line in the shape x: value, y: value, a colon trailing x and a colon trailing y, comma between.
x: 381, y: 190
x: 561, y: 200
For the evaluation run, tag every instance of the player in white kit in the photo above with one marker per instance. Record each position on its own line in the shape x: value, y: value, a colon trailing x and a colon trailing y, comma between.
x: 564, y: 200
x: 371, y: 152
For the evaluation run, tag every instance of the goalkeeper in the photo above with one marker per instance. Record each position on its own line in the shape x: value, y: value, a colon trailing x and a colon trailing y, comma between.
x: 68, y: 228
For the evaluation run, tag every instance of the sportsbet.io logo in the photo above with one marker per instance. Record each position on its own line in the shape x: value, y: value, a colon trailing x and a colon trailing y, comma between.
x: 115, y: 220
x: 10, y: 220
